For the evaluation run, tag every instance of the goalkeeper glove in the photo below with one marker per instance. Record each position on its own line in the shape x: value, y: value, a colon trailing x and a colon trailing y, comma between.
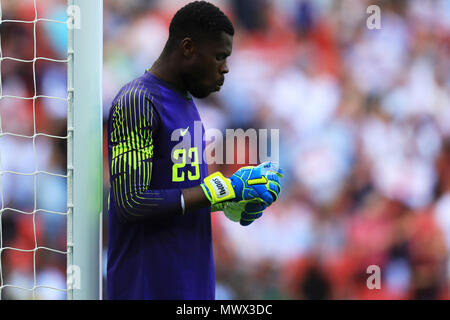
x: 260, y: 183
x: 244, y: 212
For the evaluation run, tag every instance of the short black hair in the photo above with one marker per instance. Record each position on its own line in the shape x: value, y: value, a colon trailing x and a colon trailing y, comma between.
x: 197, y: 19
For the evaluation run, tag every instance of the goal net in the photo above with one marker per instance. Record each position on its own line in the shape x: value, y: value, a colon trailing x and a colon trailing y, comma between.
x: 50, y: 171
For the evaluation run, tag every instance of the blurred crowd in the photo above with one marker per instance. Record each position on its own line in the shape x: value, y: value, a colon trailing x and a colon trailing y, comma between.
x: 364, y: 140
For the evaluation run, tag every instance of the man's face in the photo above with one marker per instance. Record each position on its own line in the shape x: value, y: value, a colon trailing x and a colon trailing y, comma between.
x: 208, y: 65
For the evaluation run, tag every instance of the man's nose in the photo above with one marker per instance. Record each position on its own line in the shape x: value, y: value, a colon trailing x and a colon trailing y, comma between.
x: 224, y: 68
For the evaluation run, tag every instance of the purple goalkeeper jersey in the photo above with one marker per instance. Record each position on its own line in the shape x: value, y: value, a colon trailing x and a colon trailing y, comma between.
x: 154, y: 251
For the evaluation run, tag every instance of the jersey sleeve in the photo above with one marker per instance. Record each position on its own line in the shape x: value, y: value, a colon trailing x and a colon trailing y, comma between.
x: 133, y: 125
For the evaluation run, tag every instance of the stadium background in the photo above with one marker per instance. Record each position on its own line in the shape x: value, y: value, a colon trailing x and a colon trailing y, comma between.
x: 364, y: 118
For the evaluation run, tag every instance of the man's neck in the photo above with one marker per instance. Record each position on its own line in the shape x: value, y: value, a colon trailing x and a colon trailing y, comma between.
x: 165, y: 69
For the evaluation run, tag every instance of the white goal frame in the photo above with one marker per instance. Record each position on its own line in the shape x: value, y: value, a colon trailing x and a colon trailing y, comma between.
x: 84, y: 149
x: 84, y: 152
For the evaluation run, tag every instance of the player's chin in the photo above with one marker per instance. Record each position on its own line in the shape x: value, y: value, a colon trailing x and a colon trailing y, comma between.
x: 216, y: 88
x: 199, y: 94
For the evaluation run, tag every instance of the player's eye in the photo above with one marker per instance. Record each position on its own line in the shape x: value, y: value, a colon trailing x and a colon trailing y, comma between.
x: 221, y: 57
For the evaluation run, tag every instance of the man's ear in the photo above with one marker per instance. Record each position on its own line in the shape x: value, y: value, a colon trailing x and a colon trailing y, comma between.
x: 187, y: 47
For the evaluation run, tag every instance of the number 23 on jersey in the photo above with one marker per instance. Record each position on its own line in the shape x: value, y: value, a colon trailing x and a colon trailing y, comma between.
x: 193, y: 172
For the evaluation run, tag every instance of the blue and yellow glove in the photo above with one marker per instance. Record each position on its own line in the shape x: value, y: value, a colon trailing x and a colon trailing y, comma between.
x: 244, y: 212
x: 261, y: 183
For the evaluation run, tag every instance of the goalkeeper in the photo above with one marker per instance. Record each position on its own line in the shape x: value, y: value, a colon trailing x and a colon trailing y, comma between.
x: 159, y: 222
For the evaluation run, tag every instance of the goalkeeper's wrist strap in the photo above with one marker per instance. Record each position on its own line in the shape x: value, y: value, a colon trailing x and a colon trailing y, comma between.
x: 183, y: 207
x: 217, y: 188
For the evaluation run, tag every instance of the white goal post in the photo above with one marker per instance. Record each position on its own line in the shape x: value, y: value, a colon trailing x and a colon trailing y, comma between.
x: 83, y: 213
x: 84, y: 156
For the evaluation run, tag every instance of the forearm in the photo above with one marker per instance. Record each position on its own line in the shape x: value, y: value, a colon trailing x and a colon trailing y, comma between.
x: 160, y: 204
x: 194, y: 198
x: 138, y: 206
x: 137, y: 202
